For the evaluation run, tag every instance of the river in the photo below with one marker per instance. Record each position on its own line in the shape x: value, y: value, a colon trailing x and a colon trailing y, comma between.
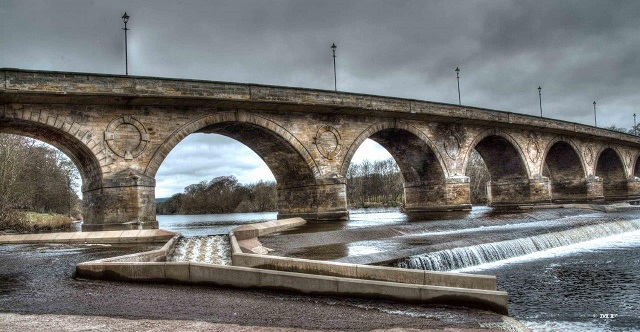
x: 564, y: 270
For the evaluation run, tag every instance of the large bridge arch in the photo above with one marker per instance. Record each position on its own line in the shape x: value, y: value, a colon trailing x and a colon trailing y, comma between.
x: 77, y: 144
x: 495, y: 145
x: 284, y: 137
x: 566, y: 169
x: 299, y: 181
x: 509, y: 172
x: 610, y: 168
x: 427, y: 186
x: 424, y: 162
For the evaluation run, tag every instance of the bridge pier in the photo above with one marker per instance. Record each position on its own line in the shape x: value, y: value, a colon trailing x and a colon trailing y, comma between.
x: 633, y: 186
x: 519, y: 193
x: 326, y: 199
x: 126, y: 201
x: 452, y: 194
x: 615, y: 189
x: 595, y: 190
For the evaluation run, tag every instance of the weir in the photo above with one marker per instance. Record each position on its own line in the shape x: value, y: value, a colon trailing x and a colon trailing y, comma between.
x: 458, y: 258
x: 213, y: 249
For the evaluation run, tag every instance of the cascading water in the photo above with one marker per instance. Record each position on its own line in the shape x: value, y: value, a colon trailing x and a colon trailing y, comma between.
x: 458, y: 258
x: 213, y: 249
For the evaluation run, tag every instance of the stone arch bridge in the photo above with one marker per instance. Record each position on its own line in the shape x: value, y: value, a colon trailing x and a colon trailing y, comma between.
x: 119, y: 129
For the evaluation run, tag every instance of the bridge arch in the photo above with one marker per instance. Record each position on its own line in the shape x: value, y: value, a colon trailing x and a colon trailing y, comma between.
x: 567, y: 171
x: 610, y: 167
x: 67, y: 137
x: 416, y: 155
x: 509, y: 173
x: 502, y: 154
x: 280, y: 150
x: 636, y: 167
x: 301, y: 190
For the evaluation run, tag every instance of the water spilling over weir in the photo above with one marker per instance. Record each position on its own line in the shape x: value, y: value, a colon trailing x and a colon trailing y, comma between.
x: 462, y: 257
x: 213, y: 249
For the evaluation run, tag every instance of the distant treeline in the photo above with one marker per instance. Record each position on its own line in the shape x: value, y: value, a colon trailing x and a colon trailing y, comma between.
x: 223, y: 194
x: 374, y: 184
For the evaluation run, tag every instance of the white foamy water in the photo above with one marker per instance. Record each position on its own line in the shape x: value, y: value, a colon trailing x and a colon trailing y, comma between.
x: 623, y: 240
x: 464, y: 257
x: 214, y: 249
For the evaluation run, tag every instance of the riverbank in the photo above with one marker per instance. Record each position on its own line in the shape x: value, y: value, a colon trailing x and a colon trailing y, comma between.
x: 38, y: 291
x: 46, y: 323
x: 21, y: 222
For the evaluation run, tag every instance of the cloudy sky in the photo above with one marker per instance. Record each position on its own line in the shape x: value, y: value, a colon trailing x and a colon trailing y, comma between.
x: 578, y: 51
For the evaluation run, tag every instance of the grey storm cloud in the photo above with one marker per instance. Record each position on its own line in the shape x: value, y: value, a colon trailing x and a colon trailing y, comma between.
x: 578, y: 51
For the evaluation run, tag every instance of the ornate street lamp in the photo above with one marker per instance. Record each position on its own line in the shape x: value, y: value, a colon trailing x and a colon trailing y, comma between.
x: 540, y: 97
x: 458, y: 78
x: 635, y: 126
x: 595, y: 117
x: 335, y: 79
x: 125, y: 19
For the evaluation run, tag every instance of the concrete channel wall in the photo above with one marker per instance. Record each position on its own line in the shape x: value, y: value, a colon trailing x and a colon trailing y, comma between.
x: 108, y: 237
x: 303, y: 276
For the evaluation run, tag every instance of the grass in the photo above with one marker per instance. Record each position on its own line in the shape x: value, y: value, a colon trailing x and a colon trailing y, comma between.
x: 28, y: 222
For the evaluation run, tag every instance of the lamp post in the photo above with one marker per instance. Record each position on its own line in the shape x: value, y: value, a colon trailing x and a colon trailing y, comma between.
x: 458, y: 78
x: 635, y: 129
x: 595, y: 117
x: 125, y: 19
x: 540, y: 97
x: 335, y: 79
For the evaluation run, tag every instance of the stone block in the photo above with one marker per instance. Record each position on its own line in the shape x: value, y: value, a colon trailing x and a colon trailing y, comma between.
x: 245, y: 232
x: 11, y: 239
x: 379, y: 290
x: 224, y: 275
x: 481, y: 299
x: 63, y: 238
x: 134, y: 271
x: 303, y: 283
x: 129, y: 236
x: 460, y: 280
x: 177, y: 271
x: 382, y: 273
x: 91, y: 270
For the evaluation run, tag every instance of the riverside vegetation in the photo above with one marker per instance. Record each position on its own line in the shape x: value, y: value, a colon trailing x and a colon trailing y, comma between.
x: 37, y: 186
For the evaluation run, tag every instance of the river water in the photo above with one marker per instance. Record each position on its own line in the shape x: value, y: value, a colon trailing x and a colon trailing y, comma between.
x: 564, y: 270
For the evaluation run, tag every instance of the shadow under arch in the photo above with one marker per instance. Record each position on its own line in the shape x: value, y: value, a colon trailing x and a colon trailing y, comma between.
x: 426, y: 188
x: 566, y: 170
x: 405, y: 143
x: 292, y: 166
x: 508, y: 172
x: 610, y: 168
x: 80, y: 154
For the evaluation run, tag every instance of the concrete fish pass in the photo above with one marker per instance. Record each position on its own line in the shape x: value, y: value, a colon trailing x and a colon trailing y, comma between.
x: 252, y: 268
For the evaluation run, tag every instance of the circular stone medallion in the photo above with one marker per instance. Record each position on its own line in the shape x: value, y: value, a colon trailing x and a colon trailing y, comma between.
x: 327, y: 142
x: 126, y: 137
x: 452, y: 145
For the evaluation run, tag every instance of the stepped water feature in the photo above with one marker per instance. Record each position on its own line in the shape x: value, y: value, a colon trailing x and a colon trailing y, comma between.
x: 212, y: 249
x: 462, y: 257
